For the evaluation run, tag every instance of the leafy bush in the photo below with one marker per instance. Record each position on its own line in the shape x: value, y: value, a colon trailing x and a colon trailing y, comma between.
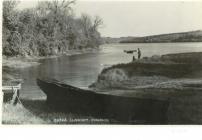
x: 48, y: 29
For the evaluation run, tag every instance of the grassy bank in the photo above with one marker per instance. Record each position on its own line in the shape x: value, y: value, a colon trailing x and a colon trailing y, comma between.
x: 38, y: 112
x: 173, y: 77
x: 18, y: 115
x: 154, y: 70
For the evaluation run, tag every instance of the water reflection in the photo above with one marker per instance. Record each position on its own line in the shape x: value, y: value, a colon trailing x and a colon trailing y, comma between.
x: 82, y: 70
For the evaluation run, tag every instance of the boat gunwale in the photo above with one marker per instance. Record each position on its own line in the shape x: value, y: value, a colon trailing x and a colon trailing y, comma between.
x: 60, y: 84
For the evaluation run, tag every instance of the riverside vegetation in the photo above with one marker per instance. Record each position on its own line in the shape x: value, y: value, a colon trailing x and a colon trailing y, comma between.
x: 50, y: 28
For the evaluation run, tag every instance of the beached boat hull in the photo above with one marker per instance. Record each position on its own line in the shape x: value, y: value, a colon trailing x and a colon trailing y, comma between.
x: 119, y: 108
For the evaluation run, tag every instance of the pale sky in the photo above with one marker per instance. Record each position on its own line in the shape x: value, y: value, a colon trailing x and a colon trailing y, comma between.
x: 136, y: 18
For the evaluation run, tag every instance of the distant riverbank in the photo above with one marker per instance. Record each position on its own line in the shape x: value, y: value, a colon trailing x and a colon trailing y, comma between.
x: 191, y: 36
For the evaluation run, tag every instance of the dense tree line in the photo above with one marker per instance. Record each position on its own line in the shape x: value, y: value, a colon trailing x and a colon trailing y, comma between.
x: 50, y: 28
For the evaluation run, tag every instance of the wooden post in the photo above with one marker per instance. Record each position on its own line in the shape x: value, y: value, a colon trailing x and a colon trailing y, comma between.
x: 16, y: 93
x: 16, y: 97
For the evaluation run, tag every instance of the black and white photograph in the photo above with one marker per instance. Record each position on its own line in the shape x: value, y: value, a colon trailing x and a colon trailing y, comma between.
x: 70, y: 62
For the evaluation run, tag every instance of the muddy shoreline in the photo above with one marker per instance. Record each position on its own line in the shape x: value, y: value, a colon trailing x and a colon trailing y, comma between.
x: 29, y: 61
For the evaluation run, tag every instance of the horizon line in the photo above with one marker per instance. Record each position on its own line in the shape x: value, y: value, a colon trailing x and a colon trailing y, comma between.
x: 155, y: 34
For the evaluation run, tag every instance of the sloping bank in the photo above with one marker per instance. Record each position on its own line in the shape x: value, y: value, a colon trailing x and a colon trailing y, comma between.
x: 173, y: 77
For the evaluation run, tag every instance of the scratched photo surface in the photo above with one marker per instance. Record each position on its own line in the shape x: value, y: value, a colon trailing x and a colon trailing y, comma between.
x: 101, y: 62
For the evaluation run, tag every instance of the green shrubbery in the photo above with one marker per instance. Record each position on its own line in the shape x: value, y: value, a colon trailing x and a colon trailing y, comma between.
x: 48, y: 29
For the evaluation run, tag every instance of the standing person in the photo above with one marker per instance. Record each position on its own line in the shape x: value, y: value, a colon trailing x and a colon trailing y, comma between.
x: 139, y: 53
x: 133, y: 58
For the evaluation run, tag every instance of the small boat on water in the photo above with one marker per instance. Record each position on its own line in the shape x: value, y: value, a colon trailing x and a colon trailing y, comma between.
x: 130, y: 51
x: 120, y: 108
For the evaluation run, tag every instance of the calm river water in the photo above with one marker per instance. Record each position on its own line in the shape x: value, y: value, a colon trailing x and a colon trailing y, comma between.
x: 82, y: 70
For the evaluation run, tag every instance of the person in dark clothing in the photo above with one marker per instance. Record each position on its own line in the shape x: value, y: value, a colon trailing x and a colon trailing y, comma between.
x: 139, y: 53
x: 133, y: 58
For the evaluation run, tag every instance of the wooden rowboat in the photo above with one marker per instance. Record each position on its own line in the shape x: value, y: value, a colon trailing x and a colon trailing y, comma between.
x: 130, y: 51
x: 121, y: 108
